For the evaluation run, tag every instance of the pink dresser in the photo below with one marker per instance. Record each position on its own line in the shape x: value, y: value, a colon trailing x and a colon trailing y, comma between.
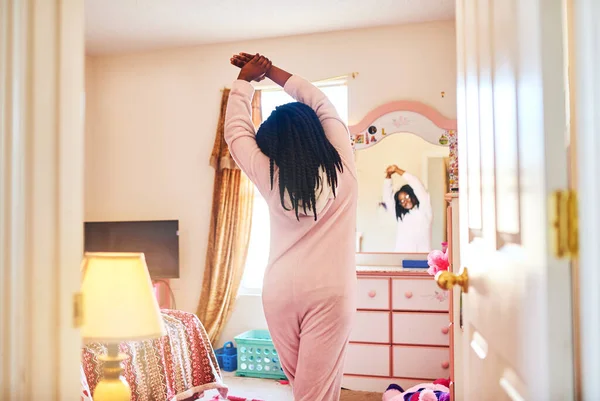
x: 402, y: 332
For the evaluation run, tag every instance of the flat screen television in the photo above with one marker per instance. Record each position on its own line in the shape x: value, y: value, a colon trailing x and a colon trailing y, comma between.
x: 158, y: 240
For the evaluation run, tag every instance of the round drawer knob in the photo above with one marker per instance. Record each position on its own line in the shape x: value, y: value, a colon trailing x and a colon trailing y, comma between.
x: 445, y: 365
x: 445, y: 330
x: 408, y: 294
x: 372, y: 294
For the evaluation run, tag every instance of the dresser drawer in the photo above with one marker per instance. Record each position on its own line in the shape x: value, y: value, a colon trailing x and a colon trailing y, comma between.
x: 371, y: 327
x: 418, y: 294
x: 421, y: 362
x: 369, y: 360
x: 421, y: 328
x: 373, y: 293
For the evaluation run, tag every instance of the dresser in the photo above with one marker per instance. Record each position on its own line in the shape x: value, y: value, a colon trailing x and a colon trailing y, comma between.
x: 401, y: 333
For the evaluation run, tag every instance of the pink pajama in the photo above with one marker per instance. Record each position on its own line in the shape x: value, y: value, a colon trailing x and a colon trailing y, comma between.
x: 310, y: 283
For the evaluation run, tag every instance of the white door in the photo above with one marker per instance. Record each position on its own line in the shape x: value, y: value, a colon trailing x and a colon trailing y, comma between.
x: 586, y: 15
x: 512, y: 119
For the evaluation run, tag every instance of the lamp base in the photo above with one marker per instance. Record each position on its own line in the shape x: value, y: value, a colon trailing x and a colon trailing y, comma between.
x: 113, y: 386
x: 112, y: 390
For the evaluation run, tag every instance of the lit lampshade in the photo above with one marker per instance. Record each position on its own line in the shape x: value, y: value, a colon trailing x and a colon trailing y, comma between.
x: 118, y: 299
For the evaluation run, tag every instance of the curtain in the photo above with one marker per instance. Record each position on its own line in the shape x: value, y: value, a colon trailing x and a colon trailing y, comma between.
x: 229, y: 232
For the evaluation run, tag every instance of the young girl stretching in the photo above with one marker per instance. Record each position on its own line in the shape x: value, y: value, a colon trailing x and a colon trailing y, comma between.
x: 301, y: 161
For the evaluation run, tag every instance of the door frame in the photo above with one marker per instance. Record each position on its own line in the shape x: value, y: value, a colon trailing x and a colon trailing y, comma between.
x: 41, y: 197
x: 587, y: 105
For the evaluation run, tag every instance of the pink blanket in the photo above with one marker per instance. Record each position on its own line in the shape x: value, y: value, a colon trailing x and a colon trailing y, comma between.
x: 178, y: 366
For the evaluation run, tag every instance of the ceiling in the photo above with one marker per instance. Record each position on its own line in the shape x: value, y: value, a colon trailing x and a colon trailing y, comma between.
x: 117, y: 26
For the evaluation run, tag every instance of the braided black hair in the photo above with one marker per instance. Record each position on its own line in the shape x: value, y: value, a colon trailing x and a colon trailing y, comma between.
x: 401, y: 211
x: 294, y: 140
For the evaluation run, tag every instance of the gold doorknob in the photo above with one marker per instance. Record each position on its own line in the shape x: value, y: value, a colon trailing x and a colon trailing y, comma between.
x: 446, y: 280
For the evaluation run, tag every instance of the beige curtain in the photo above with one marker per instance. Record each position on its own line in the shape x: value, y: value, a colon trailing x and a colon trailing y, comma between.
x: 229, y: 235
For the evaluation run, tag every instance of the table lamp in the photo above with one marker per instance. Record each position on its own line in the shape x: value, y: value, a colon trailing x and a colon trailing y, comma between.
x: 118, y: 305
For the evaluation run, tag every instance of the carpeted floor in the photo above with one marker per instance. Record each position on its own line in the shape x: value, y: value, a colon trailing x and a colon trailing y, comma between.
x: 270, y: 390
x: 348, y: 395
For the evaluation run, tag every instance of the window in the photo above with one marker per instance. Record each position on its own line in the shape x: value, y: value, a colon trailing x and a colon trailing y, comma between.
x: 258, y: 250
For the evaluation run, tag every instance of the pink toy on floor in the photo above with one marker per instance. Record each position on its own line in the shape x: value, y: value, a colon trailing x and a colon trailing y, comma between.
x: 436, y: 391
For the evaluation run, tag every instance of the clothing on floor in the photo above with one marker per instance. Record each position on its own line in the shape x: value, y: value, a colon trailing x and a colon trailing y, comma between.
x: 309, y: 290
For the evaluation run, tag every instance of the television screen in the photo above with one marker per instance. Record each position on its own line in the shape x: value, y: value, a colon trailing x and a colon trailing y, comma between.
x: 158, y: 240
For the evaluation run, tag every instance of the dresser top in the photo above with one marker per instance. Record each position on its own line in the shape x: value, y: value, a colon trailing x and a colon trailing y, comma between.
x: 390, y: 270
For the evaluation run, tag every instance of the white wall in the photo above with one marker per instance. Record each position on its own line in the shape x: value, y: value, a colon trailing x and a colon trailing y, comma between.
x: 151, y: 120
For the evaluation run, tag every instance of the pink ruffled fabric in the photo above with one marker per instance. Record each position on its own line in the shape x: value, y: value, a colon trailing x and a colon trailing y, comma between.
x: 437, y: 261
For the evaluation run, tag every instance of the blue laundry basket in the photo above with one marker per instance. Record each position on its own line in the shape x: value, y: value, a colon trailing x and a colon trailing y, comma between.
x: 227, y: 357
x: 257, y: 356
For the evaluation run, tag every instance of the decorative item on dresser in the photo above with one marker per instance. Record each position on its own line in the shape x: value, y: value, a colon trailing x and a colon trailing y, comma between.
x: 401, y: 333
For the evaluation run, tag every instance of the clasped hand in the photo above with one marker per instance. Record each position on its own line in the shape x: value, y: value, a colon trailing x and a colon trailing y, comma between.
x: 253, y: 67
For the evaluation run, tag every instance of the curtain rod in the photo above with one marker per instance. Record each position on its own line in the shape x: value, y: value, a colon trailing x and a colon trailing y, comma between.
x: 268, y: 88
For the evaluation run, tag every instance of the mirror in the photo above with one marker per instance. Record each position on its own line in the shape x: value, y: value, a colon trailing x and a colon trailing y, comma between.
x: 403, y: 161
x: 383, y: 223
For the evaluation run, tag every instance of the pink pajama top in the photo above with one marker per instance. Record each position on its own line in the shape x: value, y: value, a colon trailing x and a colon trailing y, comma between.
x: 306, y: 256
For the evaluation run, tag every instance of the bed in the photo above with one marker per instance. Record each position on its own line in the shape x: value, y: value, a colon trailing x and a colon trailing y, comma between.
x: 178, y: 366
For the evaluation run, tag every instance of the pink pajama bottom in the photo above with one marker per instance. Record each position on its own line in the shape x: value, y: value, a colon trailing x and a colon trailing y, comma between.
x: 310, y: 331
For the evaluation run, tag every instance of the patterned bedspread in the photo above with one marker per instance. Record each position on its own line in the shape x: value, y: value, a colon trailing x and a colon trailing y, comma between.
x: 178, y: 366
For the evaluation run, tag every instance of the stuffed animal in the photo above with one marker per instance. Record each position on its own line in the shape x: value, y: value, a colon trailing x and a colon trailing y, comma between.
x: 436, y: 391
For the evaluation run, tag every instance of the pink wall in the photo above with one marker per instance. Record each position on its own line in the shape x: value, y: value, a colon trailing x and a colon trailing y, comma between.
x: 151, y: 118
